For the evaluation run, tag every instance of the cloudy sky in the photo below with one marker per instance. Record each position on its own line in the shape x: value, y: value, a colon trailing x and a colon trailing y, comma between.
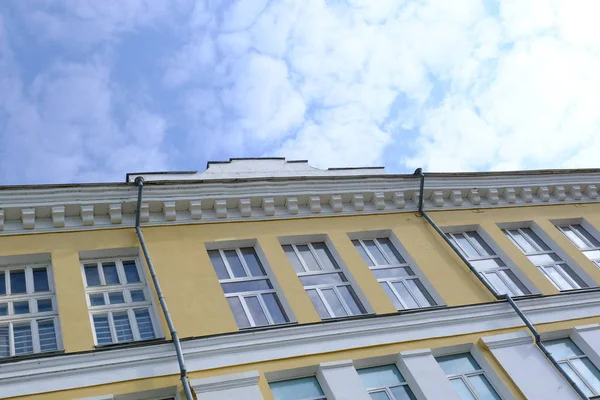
x: 92, y: 89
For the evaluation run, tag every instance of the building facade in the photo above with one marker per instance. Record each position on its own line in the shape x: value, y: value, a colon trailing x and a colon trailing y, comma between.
x: 286, y: 282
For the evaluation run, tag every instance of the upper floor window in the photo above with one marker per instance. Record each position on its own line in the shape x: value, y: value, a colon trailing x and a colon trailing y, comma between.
x: 28, y: 312
x: 248, y: 289
x: 325, y: 283
x: 488, y: 264
x: 467, y: 377
x: 581, y: 238
x: 298, y: 389
x: 385, y: 383
x: 547, y: 261
x: 393, y: 273
x: 119, y: 301
x: 575, y: 364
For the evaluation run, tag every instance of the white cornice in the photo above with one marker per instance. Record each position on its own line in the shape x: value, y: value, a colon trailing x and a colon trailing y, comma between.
x: 56, y: 209
x: 101, y: 367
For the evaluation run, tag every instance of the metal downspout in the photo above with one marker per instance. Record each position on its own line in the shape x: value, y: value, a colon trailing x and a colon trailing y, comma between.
x: 419, y: 172
x: 139, y: 181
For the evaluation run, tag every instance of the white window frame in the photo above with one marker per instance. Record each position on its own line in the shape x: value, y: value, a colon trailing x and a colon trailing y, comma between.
x: 128, y: 306
x: 386, y: 389
x: 237, y: 246
x: 589, y: 246
x: 409, y: 263
x: 33, y: 317
x: 296, y: 373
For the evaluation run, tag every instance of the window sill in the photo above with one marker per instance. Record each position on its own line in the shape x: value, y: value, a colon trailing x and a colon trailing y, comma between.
x: 11, y: 359
x: 268, y: 327
x: 136, y: 343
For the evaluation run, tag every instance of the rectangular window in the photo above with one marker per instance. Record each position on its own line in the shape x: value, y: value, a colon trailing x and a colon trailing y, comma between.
x: 488, y: 264
x: 575, y: 364
x: 385, y: 383
x: 548, y: 262
x: 324, y: 282
x: 581, y: 238
x: 28, y: 313
x: 248, y: 289
x: 393, y: 273
x: 298, y: 389
x: 467, y: 377
x: 119, y: 301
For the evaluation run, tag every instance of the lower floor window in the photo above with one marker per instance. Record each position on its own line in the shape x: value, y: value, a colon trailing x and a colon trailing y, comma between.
x: 298, y: 389
x: 29, y: 336
x: 575, y: 364
x: 123, y: 326
x: 467, y: 377
x: 385, y: 383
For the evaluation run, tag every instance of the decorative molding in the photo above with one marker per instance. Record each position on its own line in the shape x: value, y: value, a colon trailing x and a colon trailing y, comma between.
x: 221, y: 208
x: 575, y: 192
x: 510, y: 195
x: 145, y: 212
x: 415, y: 353
x: 457, y: 197
x: 335, y: 202
x: 336, y: 364
x: 559, y: 193
x: 196, y: 209
x: 116, y: 215
x: 492, y: 196
x: 268, y: 206
x: 378, y: 200
x: 87, y: 215
x: 437, y: 197
x: 507, y: 340
x: 169, y: 210
x: 358, y: 201
x: 591, y: 191
x: 291, y: 203
x: 47, y: 374
x: 1, y: 220
x: 527, y: 194
x: 398, y: 199
x: 315, y: 204
x: 245, y: 207
x: 28, y: 218
x: 225, y: 382
x: 543, y: 193
x: 474, y: 197
x: 58, y: 216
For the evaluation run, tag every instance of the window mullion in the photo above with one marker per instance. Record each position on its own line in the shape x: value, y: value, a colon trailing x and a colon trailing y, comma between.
x: 314, y: 253
x: 469, y: 386
x: 133, y: 323
x: 35, y: 337
x: 393, y: 289
x: 101, y: 273
x: 531, y: 241
x: 121, y: 271
x: 242, y: 299
x: 342, y: 300
x: 302, y: 262
x: 565, y: 276
x: 369, y: 254
x: 471, y: 242
x: 11, y: 339
x: 226, y: 263
x: 324, y: 300
x: 111, y: 325
x: 380, y: 248
x: 238, y: 251
x: 585, y: 382
x: 410, y: 292
x: 263, y: 305
x: 580, y: 236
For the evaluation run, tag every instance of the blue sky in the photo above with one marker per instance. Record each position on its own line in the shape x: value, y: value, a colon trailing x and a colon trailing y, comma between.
x: 90, y: 90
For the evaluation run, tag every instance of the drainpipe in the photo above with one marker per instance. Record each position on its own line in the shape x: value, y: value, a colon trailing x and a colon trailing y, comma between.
x: 538, y: 341
x: 139, y: 181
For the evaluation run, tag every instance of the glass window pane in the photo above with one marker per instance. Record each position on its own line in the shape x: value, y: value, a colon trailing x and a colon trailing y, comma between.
x: 377, y: 254
x: 238, y: 312
x: 297, y: 389
x: 144, y: 323
x: 96, y: 299
x: 289, y: 251
x: 418, y: 291
x: 44, y: 305
x: 247, y: 286
x: 465, y: 245
x: 514, y: 283
x: 116, y: 298
x: 102, y: 329
x: 461, y: 388
x: 403, y: 393
x: 23, y: 339
x: 3, y: 309
x: 379, y: 395
x: 325, y: 256
x: 137, y: 295
x: 122, y: 327
x: 218, y: 264
x: 577, y: 241
x: 497, y: 283
x: 559, y: 281
x: 111, y: 277
x: 334, y: 303
x: 91, y: 275
x: 2, y: 283
x: 562, y: 349
x: 567, y: 270
x: 480, y: 245
x: 405, y: 295
x: 391, y: 296
x: 592, y: 254
x: 258, y: 315
x: 252, y: 261
x: 308, y: 258
x: 383, y: 376
x: 457, y: 364
x: 40, y: 280
x: 587, y: 235
x: 533, y: 236
x: 580, y: 384
x: 363, y: 253
x: 483, y: 388
x: 399, y: 272
x: 544, y: 259
x: 484, y: 265
x: 17, y: 281
x: 523, y: 244
x: 322, y: 279
x: 390, y: 251
x: 275, y: 308
x: 588, y: 371
x: 351, y: 300
x: 131, y: 271
x: 21, y: 307
x: 4, y: 343
x: 318, y: 303
x: 235, y: 264
x: 47, y: 335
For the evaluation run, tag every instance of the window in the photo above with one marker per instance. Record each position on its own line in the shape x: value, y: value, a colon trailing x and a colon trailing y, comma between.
x: 547, y: 261
x: 488, y: 264
x: 298, y: 389
x: 120, y: 304
x: 575, y: 364
x: 467, y: 377
x: 248, y: 290
x: 385, y: 383
x: 394, y: 274
x: 581, y: 238
x: 28, y: 313
x: 326, y: 285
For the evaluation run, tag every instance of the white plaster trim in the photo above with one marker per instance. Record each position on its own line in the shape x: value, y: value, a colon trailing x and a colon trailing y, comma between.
x: 336, y: 364
x: 96, y: 368
x: 415, y: 353
x: 507, y: 340
x: 585, y: 328
x: 224, y: 382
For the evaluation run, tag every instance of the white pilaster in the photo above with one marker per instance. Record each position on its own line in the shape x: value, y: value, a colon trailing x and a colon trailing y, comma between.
x: 340, y: 381
x: 425, y: 376
x: 587, y: 338
x: 527, y: 366
x: 228, y: 387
